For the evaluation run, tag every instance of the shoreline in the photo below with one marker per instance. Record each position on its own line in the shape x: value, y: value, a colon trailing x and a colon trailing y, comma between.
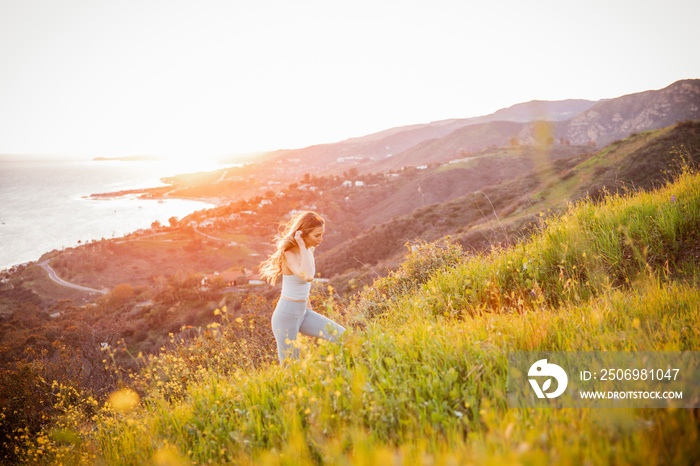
x: 161, y: 193
x: 143, y: 193
x: 168, y: 194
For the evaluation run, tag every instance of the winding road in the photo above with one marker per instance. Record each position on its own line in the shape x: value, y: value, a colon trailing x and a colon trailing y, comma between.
x: 52, y: 275
x: 56, y: 279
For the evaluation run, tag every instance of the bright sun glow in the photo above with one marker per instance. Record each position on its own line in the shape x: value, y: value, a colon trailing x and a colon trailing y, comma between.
x: 185, y: 164
x: 196, y: 80
x: 188, y: 164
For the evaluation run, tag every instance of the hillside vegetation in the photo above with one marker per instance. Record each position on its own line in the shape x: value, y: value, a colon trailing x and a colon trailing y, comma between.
x: 421, y: 375
x: 501, y: 204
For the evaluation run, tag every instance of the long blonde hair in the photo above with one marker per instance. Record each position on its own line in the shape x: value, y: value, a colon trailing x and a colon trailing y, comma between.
x: 271, y: 269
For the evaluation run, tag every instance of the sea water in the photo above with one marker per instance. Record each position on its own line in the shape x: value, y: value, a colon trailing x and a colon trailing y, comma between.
x: 45, y: 205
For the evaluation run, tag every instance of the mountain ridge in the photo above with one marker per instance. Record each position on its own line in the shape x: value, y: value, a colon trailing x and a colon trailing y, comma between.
x: 593, y: 123
x: 641, y: 111
x: 604, y: 122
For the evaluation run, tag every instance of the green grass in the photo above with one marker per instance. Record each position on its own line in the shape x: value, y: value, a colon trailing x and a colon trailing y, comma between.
x: 422, y: 379
x: 590, y: 249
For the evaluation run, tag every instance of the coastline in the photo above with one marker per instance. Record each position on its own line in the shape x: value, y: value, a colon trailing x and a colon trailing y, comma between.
x: 141, y: 193
x: 160, y: 193
x: 41, y: 216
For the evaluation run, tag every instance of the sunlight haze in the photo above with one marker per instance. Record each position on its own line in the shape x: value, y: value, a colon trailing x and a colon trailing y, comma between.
x: 216, y: 78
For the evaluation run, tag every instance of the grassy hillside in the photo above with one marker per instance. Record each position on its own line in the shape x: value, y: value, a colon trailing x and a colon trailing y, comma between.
x: 421, y: 375
x: 443, y: 183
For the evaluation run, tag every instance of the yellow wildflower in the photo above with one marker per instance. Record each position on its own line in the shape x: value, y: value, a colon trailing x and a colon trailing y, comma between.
x: 124, y: 399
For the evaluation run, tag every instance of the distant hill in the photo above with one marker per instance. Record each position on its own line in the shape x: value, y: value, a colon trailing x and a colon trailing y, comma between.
x: 599, y: 125
x: 458, y: 144
x: 523, y: 112
x: 574, y: 122
x: 362, y: 152
x: 535, y: 110
x: 462, y: 177
x: 618, y: 118
x: 642, y: 161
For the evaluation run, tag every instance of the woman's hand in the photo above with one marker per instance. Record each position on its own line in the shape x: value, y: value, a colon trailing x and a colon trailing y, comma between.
x: 299, y: 239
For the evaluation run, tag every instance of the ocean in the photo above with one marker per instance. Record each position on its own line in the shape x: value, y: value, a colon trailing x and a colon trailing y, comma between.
x: 44, y: 204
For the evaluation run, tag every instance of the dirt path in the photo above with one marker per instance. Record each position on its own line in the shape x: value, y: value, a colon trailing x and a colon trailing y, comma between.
x: 232, y: 243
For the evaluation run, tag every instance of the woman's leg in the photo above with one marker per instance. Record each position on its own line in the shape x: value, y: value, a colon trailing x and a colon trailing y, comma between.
x: 285, y: 322
x: 316, y: 325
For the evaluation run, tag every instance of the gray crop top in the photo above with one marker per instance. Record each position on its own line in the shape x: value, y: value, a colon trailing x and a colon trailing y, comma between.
x: 295, y: 288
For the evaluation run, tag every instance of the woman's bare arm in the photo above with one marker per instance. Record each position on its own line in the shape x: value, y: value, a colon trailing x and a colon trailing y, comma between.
x: 301, y: 265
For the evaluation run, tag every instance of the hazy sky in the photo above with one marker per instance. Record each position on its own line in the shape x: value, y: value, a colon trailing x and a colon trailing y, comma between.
x: 201, y: 78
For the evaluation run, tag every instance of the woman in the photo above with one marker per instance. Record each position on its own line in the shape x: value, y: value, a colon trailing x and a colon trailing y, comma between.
x: 294, y: 260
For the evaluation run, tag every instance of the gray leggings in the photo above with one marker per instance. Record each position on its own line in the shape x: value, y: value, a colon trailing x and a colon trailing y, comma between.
x: 291, y: 318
